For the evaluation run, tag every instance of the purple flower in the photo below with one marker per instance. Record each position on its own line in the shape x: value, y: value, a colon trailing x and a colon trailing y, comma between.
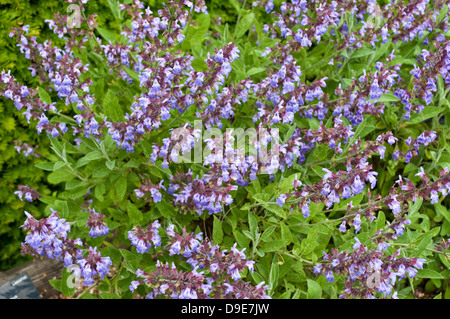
x: 305, y: 211
x: 317, y: 268
x: 357, y: 186
x: 96, y: 224
x: 342, y: 227
x: 329, y: 276
x: 143, y: 238
x: 394, y: 205
x: 188, y: 293
x: 357, y: 223
x: 281, y: 199
x: 94, y: 264
x: 49, y: 237
x: 434, y: 197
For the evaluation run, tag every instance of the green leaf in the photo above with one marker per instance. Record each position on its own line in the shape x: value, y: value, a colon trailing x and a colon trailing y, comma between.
x: 400, y: 60
x: 59, y: 177
x: 100, y: 191
x: 286, y: 185
x: 257, y: 277
x: 57, y: 147
x: 266, y: 234
x: 44, y: 96
x: 235, y: 5
x: 74, y: 183
x: 244, y: 24
x: 62, y: 284
x: 92, y: 156
x: 195, y: 34
x: 249, y: 235
x: 388, y: 97
x: 121, y: 188
x: 108, y: 295
x: 62, y: 208
x: 133, y: 74
x: 110, y: 164
x: 261, y: 197
x: 255, y: 70
x: 361, y: 52
x: 286, y: 234
x: 89, y: 143
x: 58, y: 165
x: 47, y: 166
x: 310, y: 242
x: 256, y: 185
x: 414, y: 208
x: 217, y: 231
x: 253, y: 224
x: 279, y: 211
x: 167, y: 210
x: 112, y: 252
x: 115, y: 8
x: 134, y: 214
x: 367, y: 126
x: 273, y: 245
x: 274, y: 275
x: 381, y: 220
x: 111, y: 107
x: 314, y: 290
x: 107, y: 35
x: 131, y: 260
x: 442, y: 210
x: 429, y: 273
x: 242, y: 240
x: 424, y: 243
x: 427, y: 113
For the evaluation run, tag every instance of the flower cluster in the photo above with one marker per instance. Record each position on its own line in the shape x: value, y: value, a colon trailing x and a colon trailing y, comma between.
x: 435, y: 64
x: 60, y: 67
x: 367, y: 272
x: 169, y: 80
x: 200, y: 194
x: 301, y: 23
x: 64, y: 71
x: 163, y: 83
x: 63, y: 25
x: 332, y: 187
x: 149, y: 188
x: 144, y: 238
x: 216, y: 274
x: 424, y: 138
x: 147, y: 26
x: 91, y: 266
x: 362, y: 96
x: 396, y: 201
x: 96, y: 224
x: 25, y: 148
x: 35, y: 108
x: 410, y: 21
x: 118, y: 55
x: 49, y: 237
x: 29, y: 193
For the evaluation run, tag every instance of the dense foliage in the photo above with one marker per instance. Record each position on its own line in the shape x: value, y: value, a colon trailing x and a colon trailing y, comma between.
x: 17, y: 169
x: 278, y: 150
